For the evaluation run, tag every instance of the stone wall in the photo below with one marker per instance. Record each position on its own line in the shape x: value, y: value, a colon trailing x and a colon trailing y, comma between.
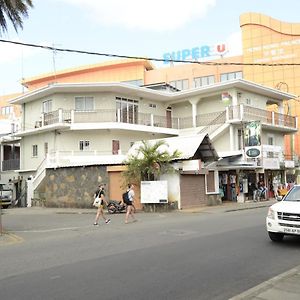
x: 72, y: 187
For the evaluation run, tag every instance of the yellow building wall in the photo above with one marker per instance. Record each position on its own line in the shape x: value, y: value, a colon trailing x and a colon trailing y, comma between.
x: 269, y: 41
x: 192, y: 70
x: 4, y: 102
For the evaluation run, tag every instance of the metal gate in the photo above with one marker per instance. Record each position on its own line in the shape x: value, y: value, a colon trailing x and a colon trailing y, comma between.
x: 192, y: 190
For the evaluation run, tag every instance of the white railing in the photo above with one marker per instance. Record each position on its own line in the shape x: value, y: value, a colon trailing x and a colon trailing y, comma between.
x: 248, y: 113
x: 68, y: 158
x: 233, y: 113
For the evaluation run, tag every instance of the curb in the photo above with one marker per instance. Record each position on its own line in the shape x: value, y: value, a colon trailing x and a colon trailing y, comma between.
x: 267, y: 285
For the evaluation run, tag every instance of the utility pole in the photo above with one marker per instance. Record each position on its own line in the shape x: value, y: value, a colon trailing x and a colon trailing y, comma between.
x: 0, y: 219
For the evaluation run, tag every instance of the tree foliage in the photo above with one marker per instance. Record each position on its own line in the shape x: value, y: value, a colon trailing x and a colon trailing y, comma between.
x: 14, y: 11
x: 149, y: 162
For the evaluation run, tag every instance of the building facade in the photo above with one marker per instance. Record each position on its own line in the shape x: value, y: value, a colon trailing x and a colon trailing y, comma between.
x: 81, y: 125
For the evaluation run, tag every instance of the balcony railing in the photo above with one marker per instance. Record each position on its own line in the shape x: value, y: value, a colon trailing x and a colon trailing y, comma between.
x: 10, y: 164
x: 248, y: 113
x: 236, y: 113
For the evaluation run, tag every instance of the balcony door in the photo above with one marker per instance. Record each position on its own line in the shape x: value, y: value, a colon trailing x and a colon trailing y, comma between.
x: 169, y: 117
x: 128, y: 110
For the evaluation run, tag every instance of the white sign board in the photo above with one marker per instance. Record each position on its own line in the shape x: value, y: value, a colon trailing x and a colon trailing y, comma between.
x: 289, y: 164
x: 154, y: 191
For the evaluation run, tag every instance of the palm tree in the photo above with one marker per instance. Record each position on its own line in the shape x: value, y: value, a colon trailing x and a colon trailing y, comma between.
x: 149, y: 162
x: 13, y: 10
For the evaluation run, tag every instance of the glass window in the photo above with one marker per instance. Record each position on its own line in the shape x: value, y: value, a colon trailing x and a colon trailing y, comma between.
x: 46, y: 148
x: 84, y: 103
x: 84, y: 145
x: 270, y: 140
x: 7, y: 110
x: 231, y: 76
x: 47, y: 106
x: 180, y: 84
x: 34, y: 150
x: 128, y: 110
x: 240, y: 139
x: 205, y: 80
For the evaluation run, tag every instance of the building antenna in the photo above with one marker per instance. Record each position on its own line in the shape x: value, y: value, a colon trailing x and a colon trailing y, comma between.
x: 54, y: 53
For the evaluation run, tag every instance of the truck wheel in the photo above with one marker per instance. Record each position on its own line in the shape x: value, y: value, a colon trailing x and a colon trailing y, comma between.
x: 275, y: 236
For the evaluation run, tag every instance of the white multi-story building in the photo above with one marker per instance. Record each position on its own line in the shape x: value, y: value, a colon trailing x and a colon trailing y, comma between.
x: 75, y: 135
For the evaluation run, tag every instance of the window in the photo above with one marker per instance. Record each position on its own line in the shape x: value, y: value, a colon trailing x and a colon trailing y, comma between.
x: 240, y: 139
x: 152, y: 105
x: 270, y: 154
x: 128, y: 110
x: 34, y: 150
x: 84, y: 145
x: 47, y: 106
x: 84, y: 103
x: 205, y: 80
x: 231, y: 76
x: 115, y: 147
x: 46, y: 148
x: 180, y: 84
x: 7, y: 110
x: 270, y: 140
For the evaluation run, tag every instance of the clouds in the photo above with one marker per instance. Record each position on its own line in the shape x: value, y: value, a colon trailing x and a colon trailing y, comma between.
x: 155, y: 15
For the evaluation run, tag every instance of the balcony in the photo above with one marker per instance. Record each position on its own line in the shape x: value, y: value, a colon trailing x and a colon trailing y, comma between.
x: 209, y: 121
x: 269, y: 119
x: 10, y: 164
x: 71, y: 158
x: 65, y: 118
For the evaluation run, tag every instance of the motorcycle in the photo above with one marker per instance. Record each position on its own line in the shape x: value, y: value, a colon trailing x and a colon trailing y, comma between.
x: 114, y: 206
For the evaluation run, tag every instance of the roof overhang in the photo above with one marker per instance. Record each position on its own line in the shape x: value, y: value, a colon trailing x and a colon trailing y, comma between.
x: 190, y: 147
x: 142, y: 92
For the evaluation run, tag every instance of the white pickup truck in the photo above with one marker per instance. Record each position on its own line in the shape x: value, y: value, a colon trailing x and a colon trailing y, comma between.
x: 284, y: 217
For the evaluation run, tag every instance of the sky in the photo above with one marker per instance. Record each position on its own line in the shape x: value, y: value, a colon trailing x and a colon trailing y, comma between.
x: 132, y: 27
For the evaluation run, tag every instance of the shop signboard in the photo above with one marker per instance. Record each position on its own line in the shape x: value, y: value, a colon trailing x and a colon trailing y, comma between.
x: 289, y: 164
x: 271, y: 163
x: 252, y: 139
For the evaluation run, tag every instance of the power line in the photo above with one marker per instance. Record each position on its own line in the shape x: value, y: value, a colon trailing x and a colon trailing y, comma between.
x: 207, y: 63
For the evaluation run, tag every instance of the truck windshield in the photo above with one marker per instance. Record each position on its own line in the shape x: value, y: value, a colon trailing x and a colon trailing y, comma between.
x: 293, y: 195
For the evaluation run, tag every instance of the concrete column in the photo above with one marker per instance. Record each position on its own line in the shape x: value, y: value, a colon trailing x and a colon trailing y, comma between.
x: 194, y: 103
x: 231, y: 138
x: 60, y: 115
x: 72, y: 116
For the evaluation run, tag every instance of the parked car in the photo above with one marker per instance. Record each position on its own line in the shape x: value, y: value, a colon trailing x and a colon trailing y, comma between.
x: 6, y: 194
x: 284, y: 217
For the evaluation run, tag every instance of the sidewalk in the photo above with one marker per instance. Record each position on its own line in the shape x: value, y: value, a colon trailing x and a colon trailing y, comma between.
x: 230, y: 206
x: 284, y: 286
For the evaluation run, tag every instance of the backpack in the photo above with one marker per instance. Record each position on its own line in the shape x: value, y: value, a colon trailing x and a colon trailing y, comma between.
x: 125, y: 197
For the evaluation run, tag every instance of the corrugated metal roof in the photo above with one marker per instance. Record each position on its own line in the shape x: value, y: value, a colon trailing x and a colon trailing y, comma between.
x: 190, y: 147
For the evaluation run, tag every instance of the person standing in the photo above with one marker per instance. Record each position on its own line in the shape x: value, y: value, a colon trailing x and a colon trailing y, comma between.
x: 100, y: 194
x: 130, y: 208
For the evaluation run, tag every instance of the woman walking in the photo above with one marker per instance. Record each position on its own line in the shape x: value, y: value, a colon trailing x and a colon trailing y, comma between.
x: 101, y: 195
x: 130, y: 208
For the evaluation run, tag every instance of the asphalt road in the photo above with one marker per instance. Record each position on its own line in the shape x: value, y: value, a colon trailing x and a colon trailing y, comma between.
x: 162, y: 256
